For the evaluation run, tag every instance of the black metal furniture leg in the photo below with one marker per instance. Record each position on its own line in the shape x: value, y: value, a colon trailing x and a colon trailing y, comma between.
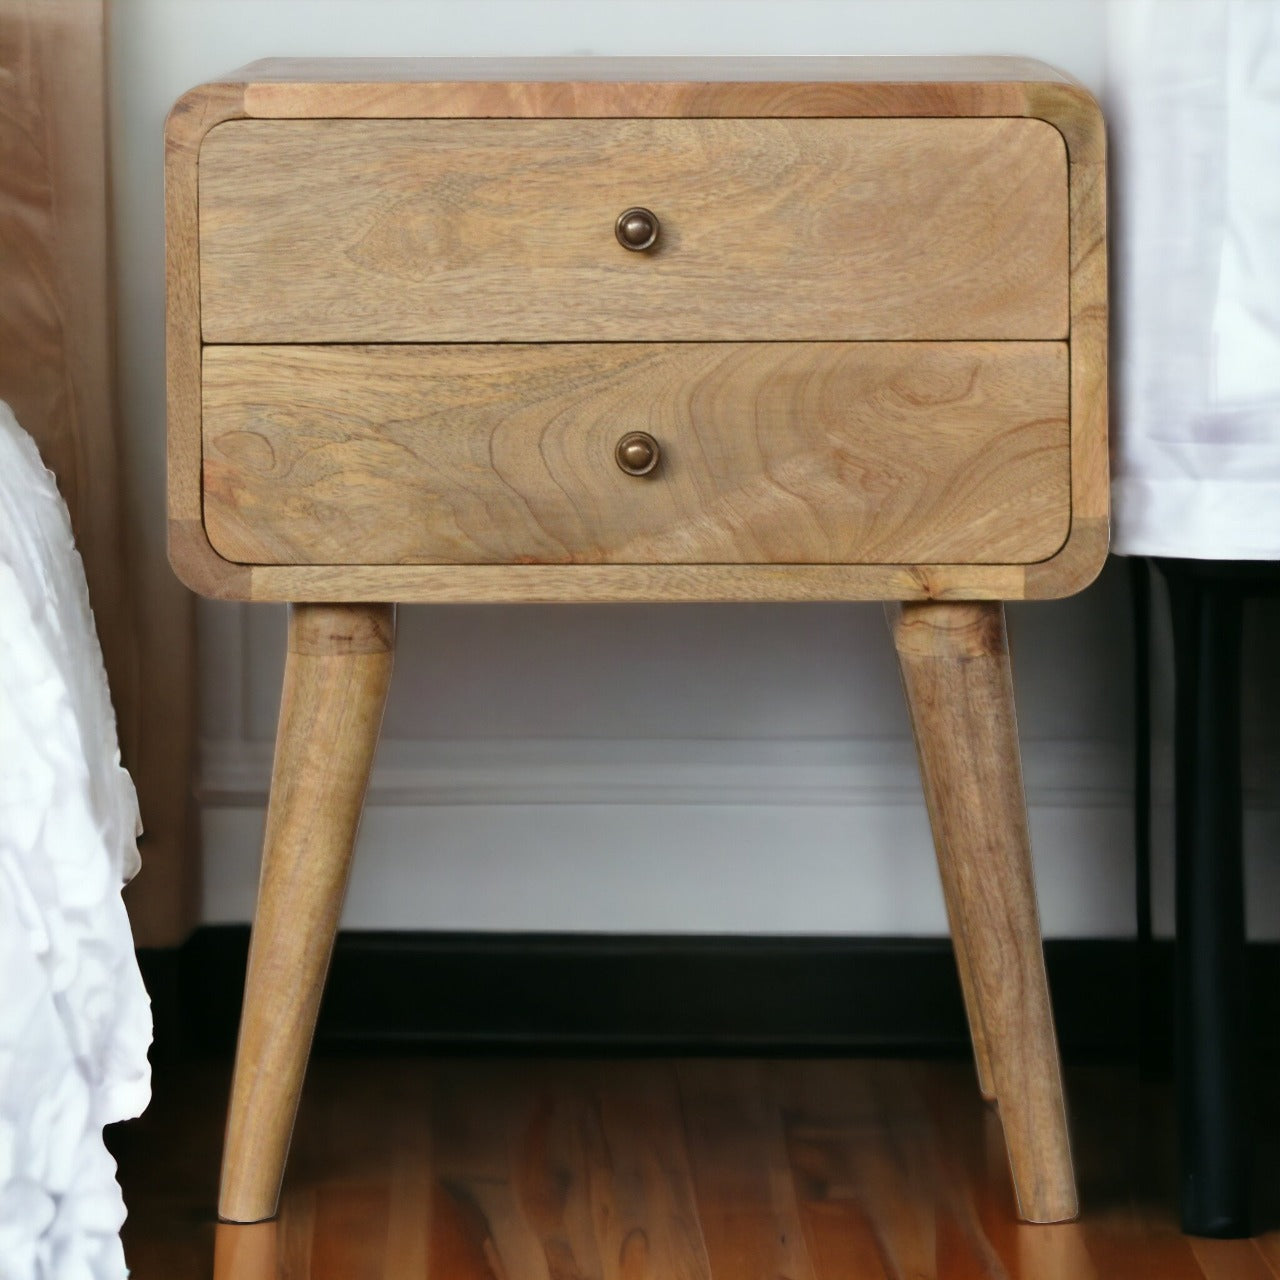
x: 1140, y: 574
x: 1212, y: 1040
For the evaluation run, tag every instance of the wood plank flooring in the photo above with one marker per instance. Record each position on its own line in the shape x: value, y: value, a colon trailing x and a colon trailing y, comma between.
x: 660, y: 1169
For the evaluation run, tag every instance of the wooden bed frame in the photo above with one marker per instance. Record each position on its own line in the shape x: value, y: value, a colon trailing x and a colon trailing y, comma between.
x: 57, y: 371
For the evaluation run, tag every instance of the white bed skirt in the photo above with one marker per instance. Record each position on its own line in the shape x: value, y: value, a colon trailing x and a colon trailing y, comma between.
x: 1193, y: 98
x: 75, y: 1021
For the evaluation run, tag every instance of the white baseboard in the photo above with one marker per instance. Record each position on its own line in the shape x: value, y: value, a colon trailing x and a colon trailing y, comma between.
x: 758, y: 836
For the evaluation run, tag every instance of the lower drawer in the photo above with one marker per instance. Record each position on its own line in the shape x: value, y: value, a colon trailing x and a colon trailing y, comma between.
x: 800, y: 453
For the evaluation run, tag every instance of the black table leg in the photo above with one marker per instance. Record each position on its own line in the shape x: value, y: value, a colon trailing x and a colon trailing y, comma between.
x: 1140, y: 598
x: 1212, y: 1045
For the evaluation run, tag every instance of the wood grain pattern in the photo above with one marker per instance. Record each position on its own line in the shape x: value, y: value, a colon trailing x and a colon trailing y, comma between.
x: 338, y: 460
x: 563, y: 1172
x: 707, y: 88
x: 503, y: 230
x: 643, y: 1201
x: 335, y: 686
x: 204, y: 570
x: 980, y: 1222
x: 191, y: 117
x: 869, y: 1207
x: 477, y: 1202
x: 747, y: 1203
x: 647, y: 86
x: 1230, y: 1260
x: 56, y: 322
x: 888, y: 1170
x: 771, y: 453
x: 955, y: 670
x: 1080, y: 560
x: 57, y: 372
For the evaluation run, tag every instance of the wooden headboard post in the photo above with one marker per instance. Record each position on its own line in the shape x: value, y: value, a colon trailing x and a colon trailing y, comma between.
x: 57, y: 371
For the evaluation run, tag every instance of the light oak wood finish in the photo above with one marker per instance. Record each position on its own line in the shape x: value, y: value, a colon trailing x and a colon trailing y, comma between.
x: 771, y: 453
x: 691, y: 89
x: 503, y: 230
x: 955, y: 670
x: 823, y: 343
x: 872, y: 1170
x: 645, y: 87
x: 57, y: 372
x: 335, y: 686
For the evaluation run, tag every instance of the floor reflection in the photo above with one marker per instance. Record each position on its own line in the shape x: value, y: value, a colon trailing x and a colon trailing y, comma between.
x: 245, y: 1251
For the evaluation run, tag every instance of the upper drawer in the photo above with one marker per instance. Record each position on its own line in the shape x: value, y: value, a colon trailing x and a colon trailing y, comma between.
x: 486, y: 230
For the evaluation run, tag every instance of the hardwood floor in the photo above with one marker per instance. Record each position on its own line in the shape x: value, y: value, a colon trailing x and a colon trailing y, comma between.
x: 660, y: 1169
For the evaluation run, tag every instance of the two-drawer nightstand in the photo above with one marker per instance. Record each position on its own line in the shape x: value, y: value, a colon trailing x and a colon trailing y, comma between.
x: 640, y: 330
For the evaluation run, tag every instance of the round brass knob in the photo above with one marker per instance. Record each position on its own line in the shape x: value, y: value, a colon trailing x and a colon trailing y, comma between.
x: 637, y: 453
x: 636, y: 229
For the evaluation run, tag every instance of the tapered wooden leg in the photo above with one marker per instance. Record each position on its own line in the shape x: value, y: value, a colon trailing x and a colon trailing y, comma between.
x: 973, y: 1012
x: 335, y: 687
x: 972, y: 1005
x: 955, y: 669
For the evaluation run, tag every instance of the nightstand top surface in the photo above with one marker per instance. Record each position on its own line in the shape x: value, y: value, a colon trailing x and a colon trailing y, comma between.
x: 812, y: 69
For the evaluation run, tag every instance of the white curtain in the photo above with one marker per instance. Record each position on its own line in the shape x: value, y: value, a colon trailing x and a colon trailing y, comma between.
x: 1193, y: 102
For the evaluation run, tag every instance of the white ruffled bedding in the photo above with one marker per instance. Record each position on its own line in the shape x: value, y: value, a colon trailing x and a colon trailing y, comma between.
x: 75, y: 1021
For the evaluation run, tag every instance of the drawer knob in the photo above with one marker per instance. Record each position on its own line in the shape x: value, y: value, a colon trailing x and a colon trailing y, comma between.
x: 636, y: 229
x: 637, y: 453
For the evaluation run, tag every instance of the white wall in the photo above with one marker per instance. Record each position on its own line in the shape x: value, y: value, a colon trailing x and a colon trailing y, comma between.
x: 678, y: 768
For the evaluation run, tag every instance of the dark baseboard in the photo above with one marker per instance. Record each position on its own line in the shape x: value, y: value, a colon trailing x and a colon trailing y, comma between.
x: 591, y: 993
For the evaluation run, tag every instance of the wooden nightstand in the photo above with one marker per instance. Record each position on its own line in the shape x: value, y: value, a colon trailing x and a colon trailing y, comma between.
x: 631, y: 330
